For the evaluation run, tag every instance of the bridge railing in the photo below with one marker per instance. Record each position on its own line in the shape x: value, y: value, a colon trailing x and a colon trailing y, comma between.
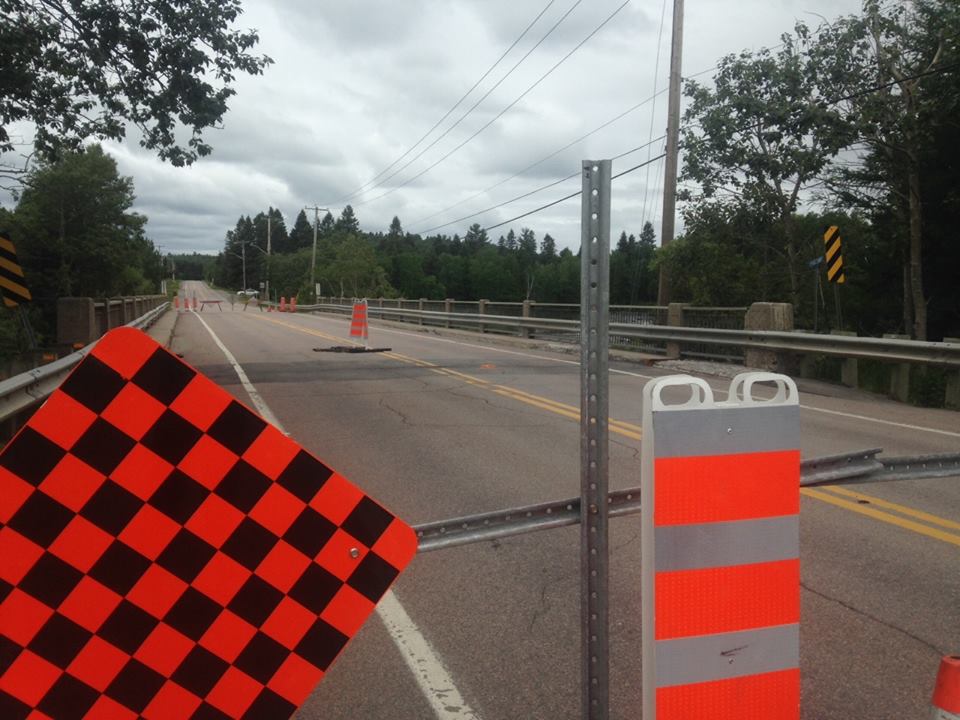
x: 22, y: 391
x: 715, y: 333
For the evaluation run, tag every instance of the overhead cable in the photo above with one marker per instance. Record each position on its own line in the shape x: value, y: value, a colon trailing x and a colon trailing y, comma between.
x: 532, y: 192
x: 540, y: 161
x: 504, y: 111
x: 473, y: 107
x: 462, y: 98
x: 571, y: 195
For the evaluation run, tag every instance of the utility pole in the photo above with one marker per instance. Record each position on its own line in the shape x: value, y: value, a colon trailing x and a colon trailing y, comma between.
x: 313, y: 261
x: 266, y: 284
x: 243, y: 258
x: 673, y: 148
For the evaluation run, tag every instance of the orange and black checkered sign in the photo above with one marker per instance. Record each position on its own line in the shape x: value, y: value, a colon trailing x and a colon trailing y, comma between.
x: 166, y: 553
x: 13, y: 287
x: 833, y: 255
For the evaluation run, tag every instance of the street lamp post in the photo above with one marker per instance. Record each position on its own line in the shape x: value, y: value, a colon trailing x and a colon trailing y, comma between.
x: 313, y: 261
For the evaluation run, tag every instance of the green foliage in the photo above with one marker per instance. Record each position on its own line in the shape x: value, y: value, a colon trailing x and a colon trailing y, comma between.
x: 193, y: 266
x: 355, y: 272
x: 88, y: 69
x: 76, y: 236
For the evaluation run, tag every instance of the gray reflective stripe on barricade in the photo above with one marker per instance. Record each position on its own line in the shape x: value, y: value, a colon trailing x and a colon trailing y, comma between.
x: 727, y: 655
x: 752, y: 429
x: 705, y: 545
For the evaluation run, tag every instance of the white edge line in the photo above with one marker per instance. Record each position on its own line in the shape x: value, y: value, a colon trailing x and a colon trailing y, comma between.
x: 428, y: 670
x: 883, y: 422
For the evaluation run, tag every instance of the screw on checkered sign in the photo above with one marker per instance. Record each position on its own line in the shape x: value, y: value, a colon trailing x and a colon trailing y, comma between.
x: 166, y: 553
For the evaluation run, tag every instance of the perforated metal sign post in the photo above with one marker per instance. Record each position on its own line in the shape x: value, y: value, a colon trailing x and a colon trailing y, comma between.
x: 166, y: 553
x: 720, y: 551
x: 594, y: 437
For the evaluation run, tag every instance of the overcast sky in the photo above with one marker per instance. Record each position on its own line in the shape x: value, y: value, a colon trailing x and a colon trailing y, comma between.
x: 356, y: 82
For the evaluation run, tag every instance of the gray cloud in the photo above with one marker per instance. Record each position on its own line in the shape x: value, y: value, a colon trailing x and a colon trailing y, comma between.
x: 356, y: 82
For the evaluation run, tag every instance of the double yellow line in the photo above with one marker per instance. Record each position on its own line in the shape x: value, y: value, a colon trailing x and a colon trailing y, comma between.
x: 571, y: 412
x: 900, y: 515
x: 891, y: 513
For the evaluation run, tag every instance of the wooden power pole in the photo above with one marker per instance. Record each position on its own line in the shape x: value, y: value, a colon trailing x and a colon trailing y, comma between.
x: 673, y: 147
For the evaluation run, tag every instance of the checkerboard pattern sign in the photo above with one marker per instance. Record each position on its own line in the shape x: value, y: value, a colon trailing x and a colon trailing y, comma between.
x: 166, y: 553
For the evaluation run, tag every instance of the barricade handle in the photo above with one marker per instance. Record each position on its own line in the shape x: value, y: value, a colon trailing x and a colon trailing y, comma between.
x: 700, y: 396
x: 741, y: 389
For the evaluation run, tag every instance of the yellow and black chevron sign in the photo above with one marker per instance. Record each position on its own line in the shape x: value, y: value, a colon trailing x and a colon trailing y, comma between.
x: 12, y: 285
x: 833, y: 255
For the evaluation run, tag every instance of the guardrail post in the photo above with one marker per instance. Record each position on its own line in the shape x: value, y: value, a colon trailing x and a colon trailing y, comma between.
x: 420, y: 308
x: 482, y: 310
x: 767, y: 316
x: 447, y: 308
x: 899, y: 374
x: 849, y: 368
x: 952, y: 398
x: 527, y: 313
x: 76, y: 321
x: 675, y: 319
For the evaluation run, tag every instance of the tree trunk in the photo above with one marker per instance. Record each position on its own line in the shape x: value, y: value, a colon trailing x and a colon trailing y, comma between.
x: 916, y: 254
x: 790, y: 233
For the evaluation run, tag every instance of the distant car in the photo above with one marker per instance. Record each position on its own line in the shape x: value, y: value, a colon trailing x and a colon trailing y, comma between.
x: 248, y: 293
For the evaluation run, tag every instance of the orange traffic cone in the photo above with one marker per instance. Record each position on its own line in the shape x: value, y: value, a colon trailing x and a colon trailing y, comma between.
x: 946, y: 692
x: 293, y: 304
x: 283, y: 304
x: 176, y: 302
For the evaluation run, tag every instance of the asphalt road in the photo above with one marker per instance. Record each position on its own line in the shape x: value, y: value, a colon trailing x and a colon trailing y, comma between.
x: 447, y: 425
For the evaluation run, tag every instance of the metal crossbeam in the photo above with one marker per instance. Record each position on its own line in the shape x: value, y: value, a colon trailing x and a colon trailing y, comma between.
x: 858, y: 467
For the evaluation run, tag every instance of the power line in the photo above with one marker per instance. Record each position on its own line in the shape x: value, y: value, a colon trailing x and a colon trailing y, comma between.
x: 538, y: 162
x: 531, y: 192
x: 568, y: 197
x: 455, y: 105
x: 478, y: 102
x: 502, y: 112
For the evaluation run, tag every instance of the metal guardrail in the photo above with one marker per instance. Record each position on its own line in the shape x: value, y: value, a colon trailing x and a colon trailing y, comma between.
x: 23, y: 390
x: 857, y: 467
x: 884, y: 349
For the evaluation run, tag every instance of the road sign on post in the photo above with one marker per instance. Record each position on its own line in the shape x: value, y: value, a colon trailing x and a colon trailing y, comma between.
x: 12, y: 284
x: 167, y: 553
x: 720, y: 551
x: 833, y: 255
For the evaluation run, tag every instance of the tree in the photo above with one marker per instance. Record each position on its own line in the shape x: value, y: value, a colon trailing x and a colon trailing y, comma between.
x: 762, y: 136
x: 527, y: 256
x: 301, y: 236
x: 883, y: 66
x: 85, y: 69
x: 355, y: 271
x: 475, y: 239
x: 548, y: 249
x: 75, y: 233
x: 347, y: 223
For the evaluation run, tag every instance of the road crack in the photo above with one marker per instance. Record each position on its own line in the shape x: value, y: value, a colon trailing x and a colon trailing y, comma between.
x: 874, y: 618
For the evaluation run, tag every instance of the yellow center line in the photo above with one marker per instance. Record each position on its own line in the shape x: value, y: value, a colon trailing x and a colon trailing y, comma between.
x: 902, y: 509
x: 883, y: 516
x: 557, y: 408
